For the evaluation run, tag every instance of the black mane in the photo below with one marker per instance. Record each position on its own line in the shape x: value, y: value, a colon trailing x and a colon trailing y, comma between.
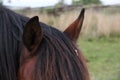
x: 11, y: 29
x: 57, y: 58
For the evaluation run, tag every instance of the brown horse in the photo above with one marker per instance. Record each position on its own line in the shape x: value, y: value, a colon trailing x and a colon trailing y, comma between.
x: 49, y: 54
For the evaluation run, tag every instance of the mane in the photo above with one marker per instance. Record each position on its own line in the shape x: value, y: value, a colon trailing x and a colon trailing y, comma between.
x: 11, y: 29
x: 57, y: 58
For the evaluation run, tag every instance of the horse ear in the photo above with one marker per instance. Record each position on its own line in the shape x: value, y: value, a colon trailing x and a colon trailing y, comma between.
x: 74, y: 29
x: 32, y: 34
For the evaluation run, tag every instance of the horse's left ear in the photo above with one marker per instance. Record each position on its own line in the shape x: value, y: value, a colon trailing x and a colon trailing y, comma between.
x: 74, y: 29
x: 32, y: 34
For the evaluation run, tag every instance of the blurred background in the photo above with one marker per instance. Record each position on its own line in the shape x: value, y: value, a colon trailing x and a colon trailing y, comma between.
x: 100, y: 36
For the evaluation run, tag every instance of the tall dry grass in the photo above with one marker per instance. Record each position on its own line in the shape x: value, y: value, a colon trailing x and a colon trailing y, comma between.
x: 97, y: 23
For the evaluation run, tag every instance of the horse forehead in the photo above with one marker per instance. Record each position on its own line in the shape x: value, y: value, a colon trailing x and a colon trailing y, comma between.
x: 27, y: 68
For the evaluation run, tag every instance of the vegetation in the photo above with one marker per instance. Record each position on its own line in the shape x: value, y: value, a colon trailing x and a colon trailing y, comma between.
x: 85, y: 2
x: 98, y: 22
x: 60, y: 3
x: 103, y: 57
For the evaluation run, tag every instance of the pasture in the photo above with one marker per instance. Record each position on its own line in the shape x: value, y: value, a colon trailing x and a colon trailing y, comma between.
x: 103, y: 57
x: 99, y: 41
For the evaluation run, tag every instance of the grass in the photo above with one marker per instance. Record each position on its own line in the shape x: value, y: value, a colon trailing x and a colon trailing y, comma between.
x: 103, y: 58
x: 97, y: 23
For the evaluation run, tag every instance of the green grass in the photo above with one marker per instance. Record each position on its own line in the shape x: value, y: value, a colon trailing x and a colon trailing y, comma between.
x: 103, y: 57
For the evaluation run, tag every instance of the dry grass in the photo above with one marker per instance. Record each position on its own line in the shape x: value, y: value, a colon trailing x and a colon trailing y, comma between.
x: 97, y: 23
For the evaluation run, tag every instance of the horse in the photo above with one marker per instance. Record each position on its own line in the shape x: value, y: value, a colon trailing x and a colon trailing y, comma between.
x: 11, y: 30
x: 49, y: 54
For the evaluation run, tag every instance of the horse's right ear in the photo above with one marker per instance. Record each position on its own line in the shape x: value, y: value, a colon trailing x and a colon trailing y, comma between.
x: 74, y: 29
x: 32, y: 34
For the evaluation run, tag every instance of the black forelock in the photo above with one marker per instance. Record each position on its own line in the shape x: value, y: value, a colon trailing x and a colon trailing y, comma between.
x: 57, y: 59
x: 11, y: 28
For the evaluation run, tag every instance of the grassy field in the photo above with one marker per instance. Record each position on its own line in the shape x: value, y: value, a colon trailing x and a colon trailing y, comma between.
x: 98, y: 21
x: 103, y: 57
